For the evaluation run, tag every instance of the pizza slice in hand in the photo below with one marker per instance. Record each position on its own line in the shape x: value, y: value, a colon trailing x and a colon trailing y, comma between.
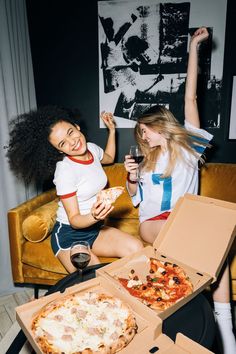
x: 109, y: 195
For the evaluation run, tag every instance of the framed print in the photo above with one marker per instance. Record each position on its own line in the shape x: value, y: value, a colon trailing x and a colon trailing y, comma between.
x: 232, y: 120
x: 143, y: 54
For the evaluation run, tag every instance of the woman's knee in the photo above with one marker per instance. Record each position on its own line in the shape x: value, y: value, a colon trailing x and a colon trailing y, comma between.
x: 147, y: 236
x: 135, y: 246
x: 147, y: 233
x: 94, y: 259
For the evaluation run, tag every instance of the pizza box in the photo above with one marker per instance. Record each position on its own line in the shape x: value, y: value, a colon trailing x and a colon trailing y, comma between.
x: 149, y: 325
x: 197, y: 236
x: 164, y: 345
x: 148, y: 339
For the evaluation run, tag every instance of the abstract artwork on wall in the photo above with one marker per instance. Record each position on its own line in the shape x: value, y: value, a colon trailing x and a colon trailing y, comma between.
x: 143, y: 53
x: 232, y: 121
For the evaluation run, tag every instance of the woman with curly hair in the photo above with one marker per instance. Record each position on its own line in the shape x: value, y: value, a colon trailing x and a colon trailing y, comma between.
x: 49, y: 140
x: 169, y: 170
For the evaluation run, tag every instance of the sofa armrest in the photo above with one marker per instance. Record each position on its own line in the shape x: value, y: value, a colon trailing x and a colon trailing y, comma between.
x: 16, y: 216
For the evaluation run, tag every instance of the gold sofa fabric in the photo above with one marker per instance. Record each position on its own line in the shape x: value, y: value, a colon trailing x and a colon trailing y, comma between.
x: 218, y: 180
x: 35, y: 263
x: 39, y: 224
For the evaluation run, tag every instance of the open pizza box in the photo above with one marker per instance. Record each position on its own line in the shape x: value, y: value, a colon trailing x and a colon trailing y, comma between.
x: 149, y: 325
x: 148, y: 339
x: 197, y: 237
x: 198, y: 228
x: 164, y: 345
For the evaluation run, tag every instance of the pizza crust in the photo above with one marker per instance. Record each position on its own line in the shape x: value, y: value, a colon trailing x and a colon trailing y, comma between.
x: 91, y: 323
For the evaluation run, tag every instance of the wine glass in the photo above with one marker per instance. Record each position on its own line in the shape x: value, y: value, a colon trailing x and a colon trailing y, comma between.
x: 80, y: 256
x: 137, y: 155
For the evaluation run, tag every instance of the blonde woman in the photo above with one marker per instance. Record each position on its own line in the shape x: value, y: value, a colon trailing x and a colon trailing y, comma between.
x: 171, y: 154
x: 170, y: 169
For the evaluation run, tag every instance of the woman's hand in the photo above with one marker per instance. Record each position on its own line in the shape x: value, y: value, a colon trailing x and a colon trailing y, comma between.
x: 108, y: 120
x: 200, y: 35
x: 100, y: 210
x: 131, y: 167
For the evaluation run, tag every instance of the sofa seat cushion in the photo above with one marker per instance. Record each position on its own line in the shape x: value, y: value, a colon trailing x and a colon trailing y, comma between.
x: 39, y: 224
x: 40, y: 255
x: 131, y: 226
x: 34, y: 275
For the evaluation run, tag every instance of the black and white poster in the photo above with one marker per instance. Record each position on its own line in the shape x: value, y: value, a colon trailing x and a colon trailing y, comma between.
x: 143, y: 54
x: 232, y: 122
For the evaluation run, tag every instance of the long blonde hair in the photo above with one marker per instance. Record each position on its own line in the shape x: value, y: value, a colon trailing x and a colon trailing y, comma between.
x: 161, y: 120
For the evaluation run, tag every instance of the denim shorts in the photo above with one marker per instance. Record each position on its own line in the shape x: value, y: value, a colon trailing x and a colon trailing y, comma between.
x: 64, y: 235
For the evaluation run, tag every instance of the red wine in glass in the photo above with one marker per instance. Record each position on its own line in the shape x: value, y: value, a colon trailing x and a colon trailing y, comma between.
x: 137, y: 155
x: 138, y: 159
x: 80, y: 256
x: 80, y: 260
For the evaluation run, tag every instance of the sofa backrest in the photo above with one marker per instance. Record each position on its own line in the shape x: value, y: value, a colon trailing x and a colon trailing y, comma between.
x: 218, y: 180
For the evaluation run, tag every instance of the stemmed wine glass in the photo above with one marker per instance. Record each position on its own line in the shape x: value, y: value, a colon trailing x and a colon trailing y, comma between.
x: 80, y: 256
x: 137, y: 155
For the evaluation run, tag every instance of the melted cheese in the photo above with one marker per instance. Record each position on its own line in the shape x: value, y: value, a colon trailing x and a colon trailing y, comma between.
x: 132, y: 283
x: 82, y: 337
x: 160, y: 269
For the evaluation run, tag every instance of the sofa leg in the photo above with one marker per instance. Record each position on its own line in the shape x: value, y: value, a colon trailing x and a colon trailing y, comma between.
x: 36, y: 291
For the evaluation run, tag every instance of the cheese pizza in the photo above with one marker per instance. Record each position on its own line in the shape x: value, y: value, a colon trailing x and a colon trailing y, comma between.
x: 89, y: 323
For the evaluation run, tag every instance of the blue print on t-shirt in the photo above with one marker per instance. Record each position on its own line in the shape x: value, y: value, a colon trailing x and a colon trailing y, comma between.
x: 167, y: 189
x: 199, y: 148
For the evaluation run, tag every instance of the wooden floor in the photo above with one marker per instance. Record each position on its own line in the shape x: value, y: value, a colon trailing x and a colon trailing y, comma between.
x: 7, y: 310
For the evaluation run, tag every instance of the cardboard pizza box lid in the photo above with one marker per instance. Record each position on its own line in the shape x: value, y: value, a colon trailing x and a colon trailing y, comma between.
x: 164, y: 345
x: 199, y: 232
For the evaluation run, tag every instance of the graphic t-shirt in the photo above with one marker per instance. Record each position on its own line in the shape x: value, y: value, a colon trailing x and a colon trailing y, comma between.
x: 81, y: 178
x: 155, y: 194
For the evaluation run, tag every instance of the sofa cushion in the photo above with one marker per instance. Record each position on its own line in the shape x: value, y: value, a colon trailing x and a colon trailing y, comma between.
x: 41, y: 256
x: 38, y: 225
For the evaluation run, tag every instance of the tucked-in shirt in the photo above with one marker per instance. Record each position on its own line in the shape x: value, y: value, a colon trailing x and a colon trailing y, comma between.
x: 155, y: 194
x: 81, y: 178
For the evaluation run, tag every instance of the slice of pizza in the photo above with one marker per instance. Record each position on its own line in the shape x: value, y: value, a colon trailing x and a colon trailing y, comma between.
x: 109, y: 195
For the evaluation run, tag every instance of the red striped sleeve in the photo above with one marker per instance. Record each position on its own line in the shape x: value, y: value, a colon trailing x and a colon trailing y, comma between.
x: 65, y: 196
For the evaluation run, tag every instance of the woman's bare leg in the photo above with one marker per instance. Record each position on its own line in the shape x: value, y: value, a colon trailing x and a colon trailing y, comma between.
x: 222, y: 291
x: 149, y: 230
x: 223, y: 315
x: 112, y: 242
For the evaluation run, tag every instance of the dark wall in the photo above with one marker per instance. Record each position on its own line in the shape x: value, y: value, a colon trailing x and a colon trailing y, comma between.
x: 64, y: 44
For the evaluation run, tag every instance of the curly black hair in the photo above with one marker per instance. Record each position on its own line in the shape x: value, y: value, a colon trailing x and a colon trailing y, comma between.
x: 30, y: 154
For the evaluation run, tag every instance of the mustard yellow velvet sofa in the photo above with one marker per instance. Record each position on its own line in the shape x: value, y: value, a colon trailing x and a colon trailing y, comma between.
x: 30, y: 224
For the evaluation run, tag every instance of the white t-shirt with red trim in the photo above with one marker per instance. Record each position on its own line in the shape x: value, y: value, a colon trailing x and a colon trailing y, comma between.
x: 81, y: 178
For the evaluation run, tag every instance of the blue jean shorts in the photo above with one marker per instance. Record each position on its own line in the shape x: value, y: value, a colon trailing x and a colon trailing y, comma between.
x: 64, y: 235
